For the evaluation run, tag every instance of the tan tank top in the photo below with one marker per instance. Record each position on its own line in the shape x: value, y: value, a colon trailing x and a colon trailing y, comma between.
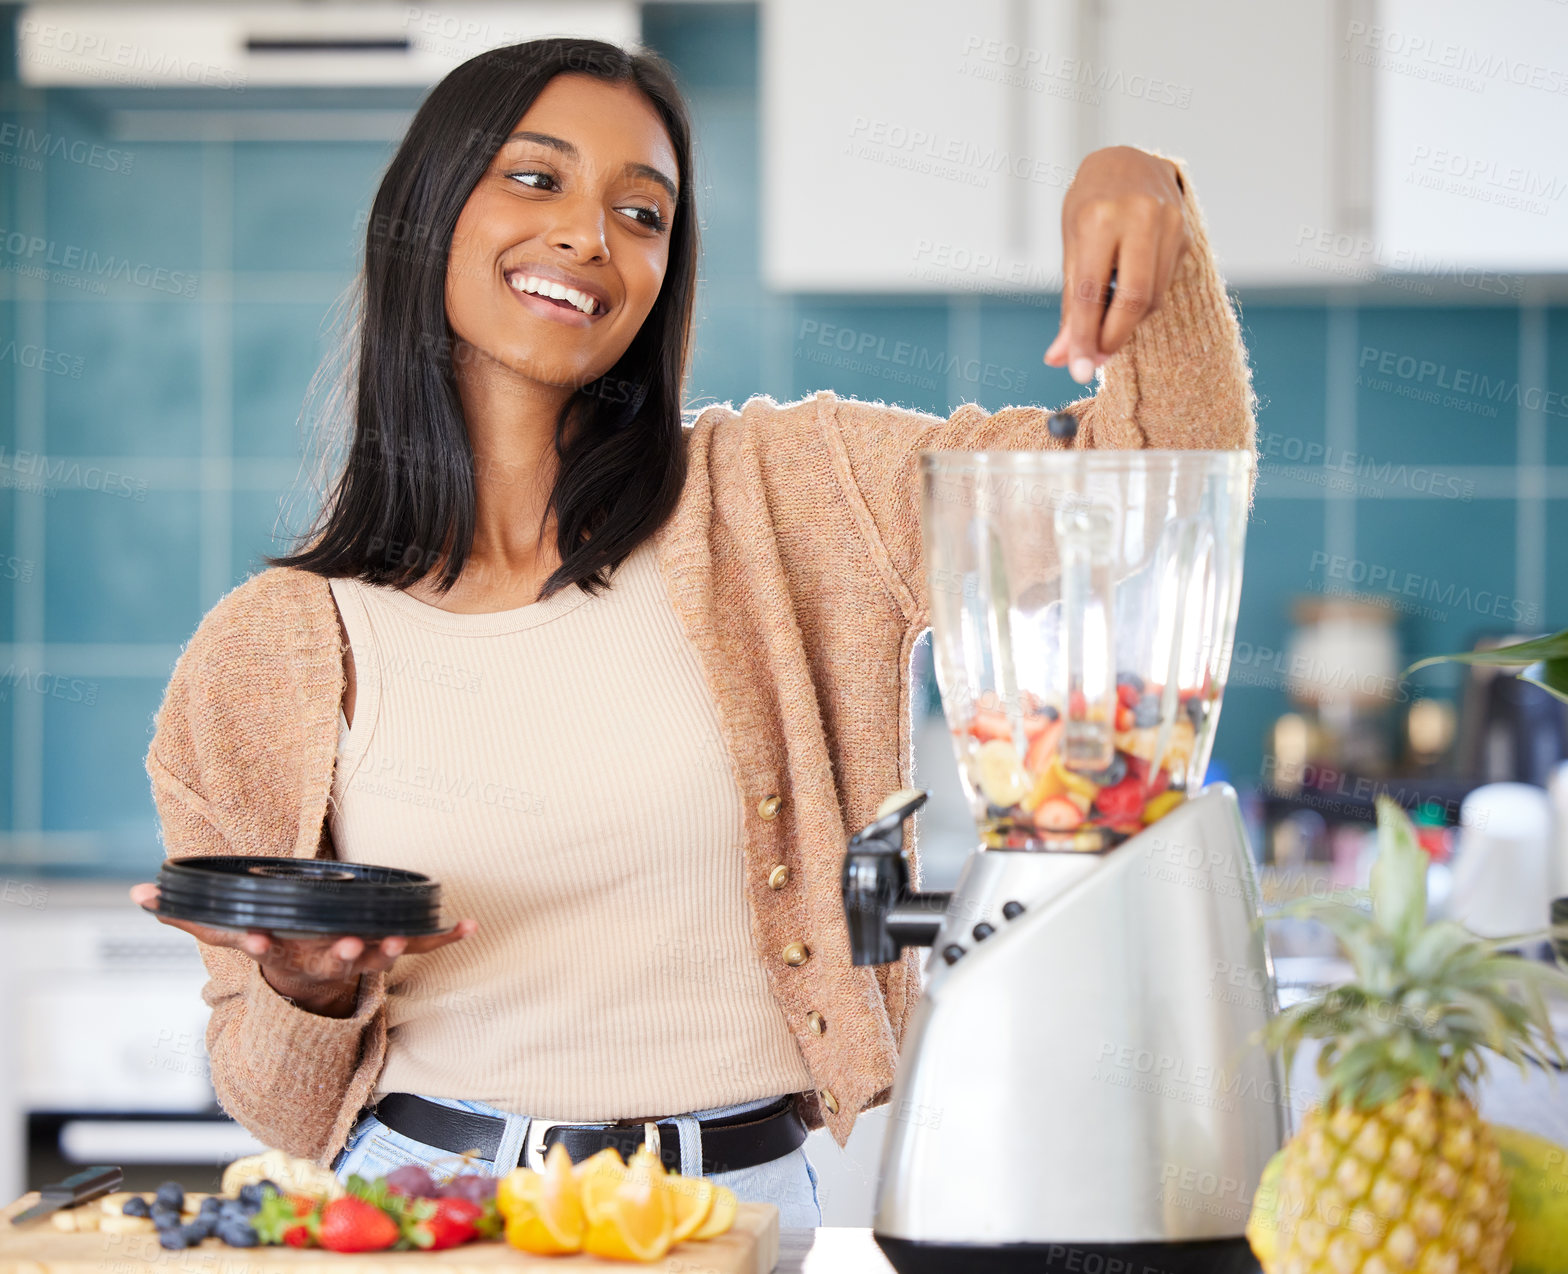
x: 559, y: 769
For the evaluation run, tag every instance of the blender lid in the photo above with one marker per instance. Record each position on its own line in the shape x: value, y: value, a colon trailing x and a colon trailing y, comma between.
x: 304, y: 895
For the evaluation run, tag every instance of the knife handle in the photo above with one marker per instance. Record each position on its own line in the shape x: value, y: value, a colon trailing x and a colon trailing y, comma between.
x: 79, y: 1187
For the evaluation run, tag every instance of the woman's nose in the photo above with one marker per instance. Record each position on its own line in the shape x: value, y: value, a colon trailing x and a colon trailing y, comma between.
x: 579, y: 229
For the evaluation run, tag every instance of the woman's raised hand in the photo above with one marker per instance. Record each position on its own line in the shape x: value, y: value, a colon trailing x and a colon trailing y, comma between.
x: 321, y: 975
x: 1123, y: 212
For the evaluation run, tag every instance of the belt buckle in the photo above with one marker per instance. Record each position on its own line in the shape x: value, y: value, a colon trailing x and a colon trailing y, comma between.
x: 533, y: 1143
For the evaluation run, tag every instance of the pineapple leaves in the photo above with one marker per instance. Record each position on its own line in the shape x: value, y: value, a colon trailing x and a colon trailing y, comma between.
x: 1398, y: 877
x: 1428, y: 1001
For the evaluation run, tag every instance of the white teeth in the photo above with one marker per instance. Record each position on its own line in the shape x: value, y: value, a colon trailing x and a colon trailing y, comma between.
x: 550, y: 288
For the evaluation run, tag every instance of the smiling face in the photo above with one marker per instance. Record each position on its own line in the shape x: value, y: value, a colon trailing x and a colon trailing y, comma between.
x: 559, y: 253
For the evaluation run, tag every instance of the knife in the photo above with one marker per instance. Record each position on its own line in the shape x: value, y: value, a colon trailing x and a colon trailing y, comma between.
x: 80, y: 1187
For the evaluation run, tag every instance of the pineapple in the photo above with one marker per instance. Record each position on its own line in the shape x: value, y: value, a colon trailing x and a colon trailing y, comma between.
x: 1394, y: 1169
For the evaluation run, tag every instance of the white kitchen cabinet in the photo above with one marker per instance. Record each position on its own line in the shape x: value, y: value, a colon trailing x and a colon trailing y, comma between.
x: 931, y: 152
x: 927, y: 148
x: 1472, y: 135
x: 902, y: 150
x: 1272, y: 123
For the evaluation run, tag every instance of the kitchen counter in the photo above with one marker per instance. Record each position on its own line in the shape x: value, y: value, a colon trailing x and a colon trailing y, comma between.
x: 830, y: 1250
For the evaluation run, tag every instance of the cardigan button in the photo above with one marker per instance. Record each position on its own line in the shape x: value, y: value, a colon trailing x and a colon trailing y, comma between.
x: 816, y: 1022
x: 830, y: 1101
x: 768, y: 807
x: 778, y: 877
x: 796, y: 953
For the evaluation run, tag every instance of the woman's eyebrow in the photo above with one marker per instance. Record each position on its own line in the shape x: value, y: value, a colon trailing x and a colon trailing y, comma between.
x: 571, y: 152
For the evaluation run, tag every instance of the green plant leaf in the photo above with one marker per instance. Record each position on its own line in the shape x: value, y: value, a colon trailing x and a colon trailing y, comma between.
x: 1551, y: 675
x: 1519, y: 655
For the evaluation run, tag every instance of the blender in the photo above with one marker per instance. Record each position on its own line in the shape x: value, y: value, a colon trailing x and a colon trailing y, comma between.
x: 1080, y: 1085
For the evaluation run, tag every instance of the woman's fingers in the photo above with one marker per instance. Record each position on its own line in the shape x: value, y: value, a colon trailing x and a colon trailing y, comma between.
x: 1136, y: 265
x: 1091, y: 254
x: 327, y: 959
x: 418, y: 946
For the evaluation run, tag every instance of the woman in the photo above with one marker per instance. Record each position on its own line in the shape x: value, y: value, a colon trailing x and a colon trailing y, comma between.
x: 624, y: 688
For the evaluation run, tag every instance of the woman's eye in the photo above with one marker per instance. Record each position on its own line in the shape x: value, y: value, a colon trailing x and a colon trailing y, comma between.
x: 650, y: 217
x: 524, y: 179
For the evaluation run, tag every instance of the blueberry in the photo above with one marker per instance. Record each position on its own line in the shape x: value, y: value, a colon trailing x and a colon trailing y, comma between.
x: 1194, y: 707
x: 1112, y: 774
x: 195, y: 1232
x: 1130, y: 679
x: 267, y: 1183
x: 136, y: 1205
x: 237, y: 1234
x: 210, y: 1206
x: 1050, y: 712
x: 233, y: 1209
x: 1146, y: 712
x: 163, y: 1216
x: 250, y: 1193
x: 171, y: 1194
x: 173, y: 1237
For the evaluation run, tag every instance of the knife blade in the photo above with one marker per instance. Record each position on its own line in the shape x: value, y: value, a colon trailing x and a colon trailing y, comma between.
x: 80, y: 1187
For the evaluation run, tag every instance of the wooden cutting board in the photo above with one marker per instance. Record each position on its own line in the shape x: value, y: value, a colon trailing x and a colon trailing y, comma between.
x: 751, y: 1246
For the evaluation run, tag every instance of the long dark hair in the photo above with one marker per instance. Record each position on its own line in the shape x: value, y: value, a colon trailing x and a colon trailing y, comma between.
x: 404, y: 500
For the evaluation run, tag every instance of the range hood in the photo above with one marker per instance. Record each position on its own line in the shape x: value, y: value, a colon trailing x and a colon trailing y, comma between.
x: 288, y: 44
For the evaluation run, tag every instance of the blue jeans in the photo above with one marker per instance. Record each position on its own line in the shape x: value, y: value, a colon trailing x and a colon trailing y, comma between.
x: 789, y: 1182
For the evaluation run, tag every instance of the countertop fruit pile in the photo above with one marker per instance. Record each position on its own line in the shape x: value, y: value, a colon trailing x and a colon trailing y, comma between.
x: 603, y: 1206
x: 1033, y: 795
x: 306, y: 1207
x: 634, y: 1211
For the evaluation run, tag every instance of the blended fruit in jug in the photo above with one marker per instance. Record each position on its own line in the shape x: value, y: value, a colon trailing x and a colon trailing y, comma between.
x: 1034, y: 797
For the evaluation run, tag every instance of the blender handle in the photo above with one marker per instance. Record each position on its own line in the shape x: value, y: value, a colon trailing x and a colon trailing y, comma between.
x: 883, y: 913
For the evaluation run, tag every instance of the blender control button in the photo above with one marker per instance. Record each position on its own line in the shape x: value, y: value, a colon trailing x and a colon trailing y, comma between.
x: 778, y: 877
x: 796, y: 953
x: 768, y: 807
x: 816, y: 1022
x: 982, y: 931
x: 1012, y: 910
x: 830, y: 1101
x: 952, y: 953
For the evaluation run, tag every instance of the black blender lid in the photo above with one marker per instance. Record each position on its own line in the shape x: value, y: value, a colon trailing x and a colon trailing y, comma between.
x: 299, y: 895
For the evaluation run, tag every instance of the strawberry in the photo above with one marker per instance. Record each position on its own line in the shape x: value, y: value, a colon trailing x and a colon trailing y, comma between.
x: 289, y: 1219
x: 349, y: 1224
x: 454, y: 1221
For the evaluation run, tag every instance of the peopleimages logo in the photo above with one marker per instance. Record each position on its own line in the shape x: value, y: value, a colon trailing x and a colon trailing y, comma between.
x: 1379, y: 577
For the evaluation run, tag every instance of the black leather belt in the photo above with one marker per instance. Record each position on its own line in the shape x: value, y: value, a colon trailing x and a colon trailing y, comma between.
x: 728, y: 1142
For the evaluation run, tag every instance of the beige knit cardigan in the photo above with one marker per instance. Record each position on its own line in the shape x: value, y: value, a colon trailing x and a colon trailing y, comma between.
x: 794, y: 562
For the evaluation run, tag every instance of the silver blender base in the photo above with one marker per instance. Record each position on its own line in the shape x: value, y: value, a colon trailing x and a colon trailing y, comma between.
x: 1081, y: 1085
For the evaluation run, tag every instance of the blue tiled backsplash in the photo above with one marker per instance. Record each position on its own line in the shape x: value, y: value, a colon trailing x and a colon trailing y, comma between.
x: 166, y: 398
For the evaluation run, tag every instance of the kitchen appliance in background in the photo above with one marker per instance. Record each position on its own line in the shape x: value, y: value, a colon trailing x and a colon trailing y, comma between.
x: 1342, y: 670
x: 1503, y: 873
x: 1102, y: 952
x: 238, y: 48
x: 103, y: 1053
x: 1510, y: 730
x: 1557, y: 793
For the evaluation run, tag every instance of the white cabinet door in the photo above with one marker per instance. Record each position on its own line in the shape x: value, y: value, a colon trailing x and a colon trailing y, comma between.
x: 1472, y: 134
x: 903, y: 149
x: 1252, y: 94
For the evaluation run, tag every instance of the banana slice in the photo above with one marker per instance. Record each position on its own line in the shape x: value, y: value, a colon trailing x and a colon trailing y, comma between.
x: 119, y: 1223
x: 77, y: 1220
x: 299, y: 1176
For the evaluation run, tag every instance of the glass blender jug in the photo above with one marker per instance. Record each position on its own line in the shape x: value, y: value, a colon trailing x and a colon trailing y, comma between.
x: 1083, y: 607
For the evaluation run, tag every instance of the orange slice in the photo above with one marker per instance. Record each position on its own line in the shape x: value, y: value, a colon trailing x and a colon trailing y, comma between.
x: 633, y: 1223
x: 691, y: 1200
x: 548, y: 1220
x: 721, y: 1215
x: 517, y: 1190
